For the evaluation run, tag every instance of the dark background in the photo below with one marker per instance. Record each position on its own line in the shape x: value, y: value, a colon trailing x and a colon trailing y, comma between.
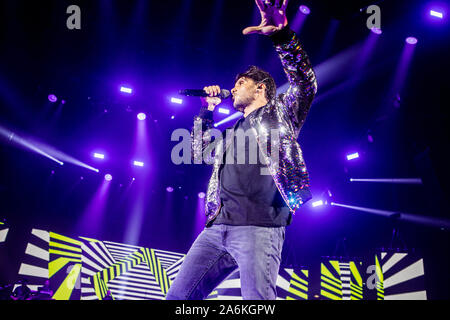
x: 161, y: 47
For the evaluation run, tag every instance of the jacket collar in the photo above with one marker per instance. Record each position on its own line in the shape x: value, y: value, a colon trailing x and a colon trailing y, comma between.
x: 256, y: 113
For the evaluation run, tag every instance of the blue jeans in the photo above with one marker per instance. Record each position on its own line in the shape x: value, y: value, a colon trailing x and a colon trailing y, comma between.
x: 219, y: 250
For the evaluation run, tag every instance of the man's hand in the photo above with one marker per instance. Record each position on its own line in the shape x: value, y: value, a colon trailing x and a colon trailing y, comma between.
x: 211, y: 102
x: 273, y: 17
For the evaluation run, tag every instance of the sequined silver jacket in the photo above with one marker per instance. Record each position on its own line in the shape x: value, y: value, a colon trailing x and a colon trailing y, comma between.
x: 285, y: 114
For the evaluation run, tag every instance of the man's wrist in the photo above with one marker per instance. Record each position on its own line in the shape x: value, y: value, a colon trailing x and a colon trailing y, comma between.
x: 282, y: 36
x: 205, y: 113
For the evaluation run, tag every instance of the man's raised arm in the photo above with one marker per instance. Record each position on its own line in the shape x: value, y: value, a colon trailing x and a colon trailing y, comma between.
x: 302, y: 80
x: 300, y: 74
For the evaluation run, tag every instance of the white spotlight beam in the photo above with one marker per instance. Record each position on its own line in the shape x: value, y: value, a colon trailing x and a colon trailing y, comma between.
x: 424, y: 220
x: 43, y: 149
x: 65, y: 157
x: 12, y: 137
x: 390, y: 180
x: 228, y: 119
x: 370, y: 210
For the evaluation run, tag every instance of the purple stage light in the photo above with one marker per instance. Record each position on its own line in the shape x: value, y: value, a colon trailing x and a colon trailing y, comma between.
x: 317, y: 203
x: 126, y: 90
x: 176, y: 100
x: 138, y: 163
x: 411, y: 40
x: 304, y: 9
x: 169, y: 189
x: 91, y: 218
x: 172, y: 117
x: 201, y: 195
x: 141, y: 116
x: 436, y: 14
x: 353, y: 156
x: 52, y: 98
x: 224, y: 111
x: 99, y: 155
x: 376, y: 30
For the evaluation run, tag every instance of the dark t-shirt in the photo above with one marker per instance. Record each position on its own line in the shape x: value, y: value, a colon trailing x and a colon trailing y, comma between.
x: 247, y: 196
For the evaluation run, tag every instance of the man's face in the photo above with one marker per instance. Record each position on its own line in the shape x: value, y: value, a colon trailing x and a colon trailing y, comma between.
x: 243, y: 93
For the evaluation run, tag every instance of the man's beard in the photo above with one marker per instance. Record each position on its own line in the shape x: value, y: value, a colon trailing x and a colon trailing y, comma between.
x: 243, y: 102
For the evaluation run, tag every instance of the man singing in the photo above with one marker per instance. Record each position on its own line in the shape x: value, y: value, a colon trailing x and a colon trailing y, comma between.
x: 248, y: 205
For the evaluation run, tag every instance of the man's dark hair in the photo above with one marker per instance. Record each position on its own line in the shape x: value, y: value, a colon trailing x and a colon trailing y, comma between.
x: 260, y: 76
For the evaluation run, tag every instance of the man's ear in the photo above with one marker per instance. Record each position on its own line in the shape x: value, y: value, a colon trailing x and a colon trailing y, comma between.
x: 261, y: 87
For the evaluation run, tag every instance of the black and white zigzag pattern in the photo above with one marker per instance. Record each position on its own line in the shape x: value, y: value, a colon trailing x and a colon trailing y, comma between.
x: 345, y: 278
x: 403, y: 276
x: 230, y: 288
x: 35, y: 263
x: 138, y: 282
x: 95, y: 257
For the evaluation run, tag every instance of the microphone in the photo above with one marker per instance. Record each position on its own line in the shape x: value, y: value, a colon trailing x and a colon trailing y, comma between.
x: 224, y: 93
